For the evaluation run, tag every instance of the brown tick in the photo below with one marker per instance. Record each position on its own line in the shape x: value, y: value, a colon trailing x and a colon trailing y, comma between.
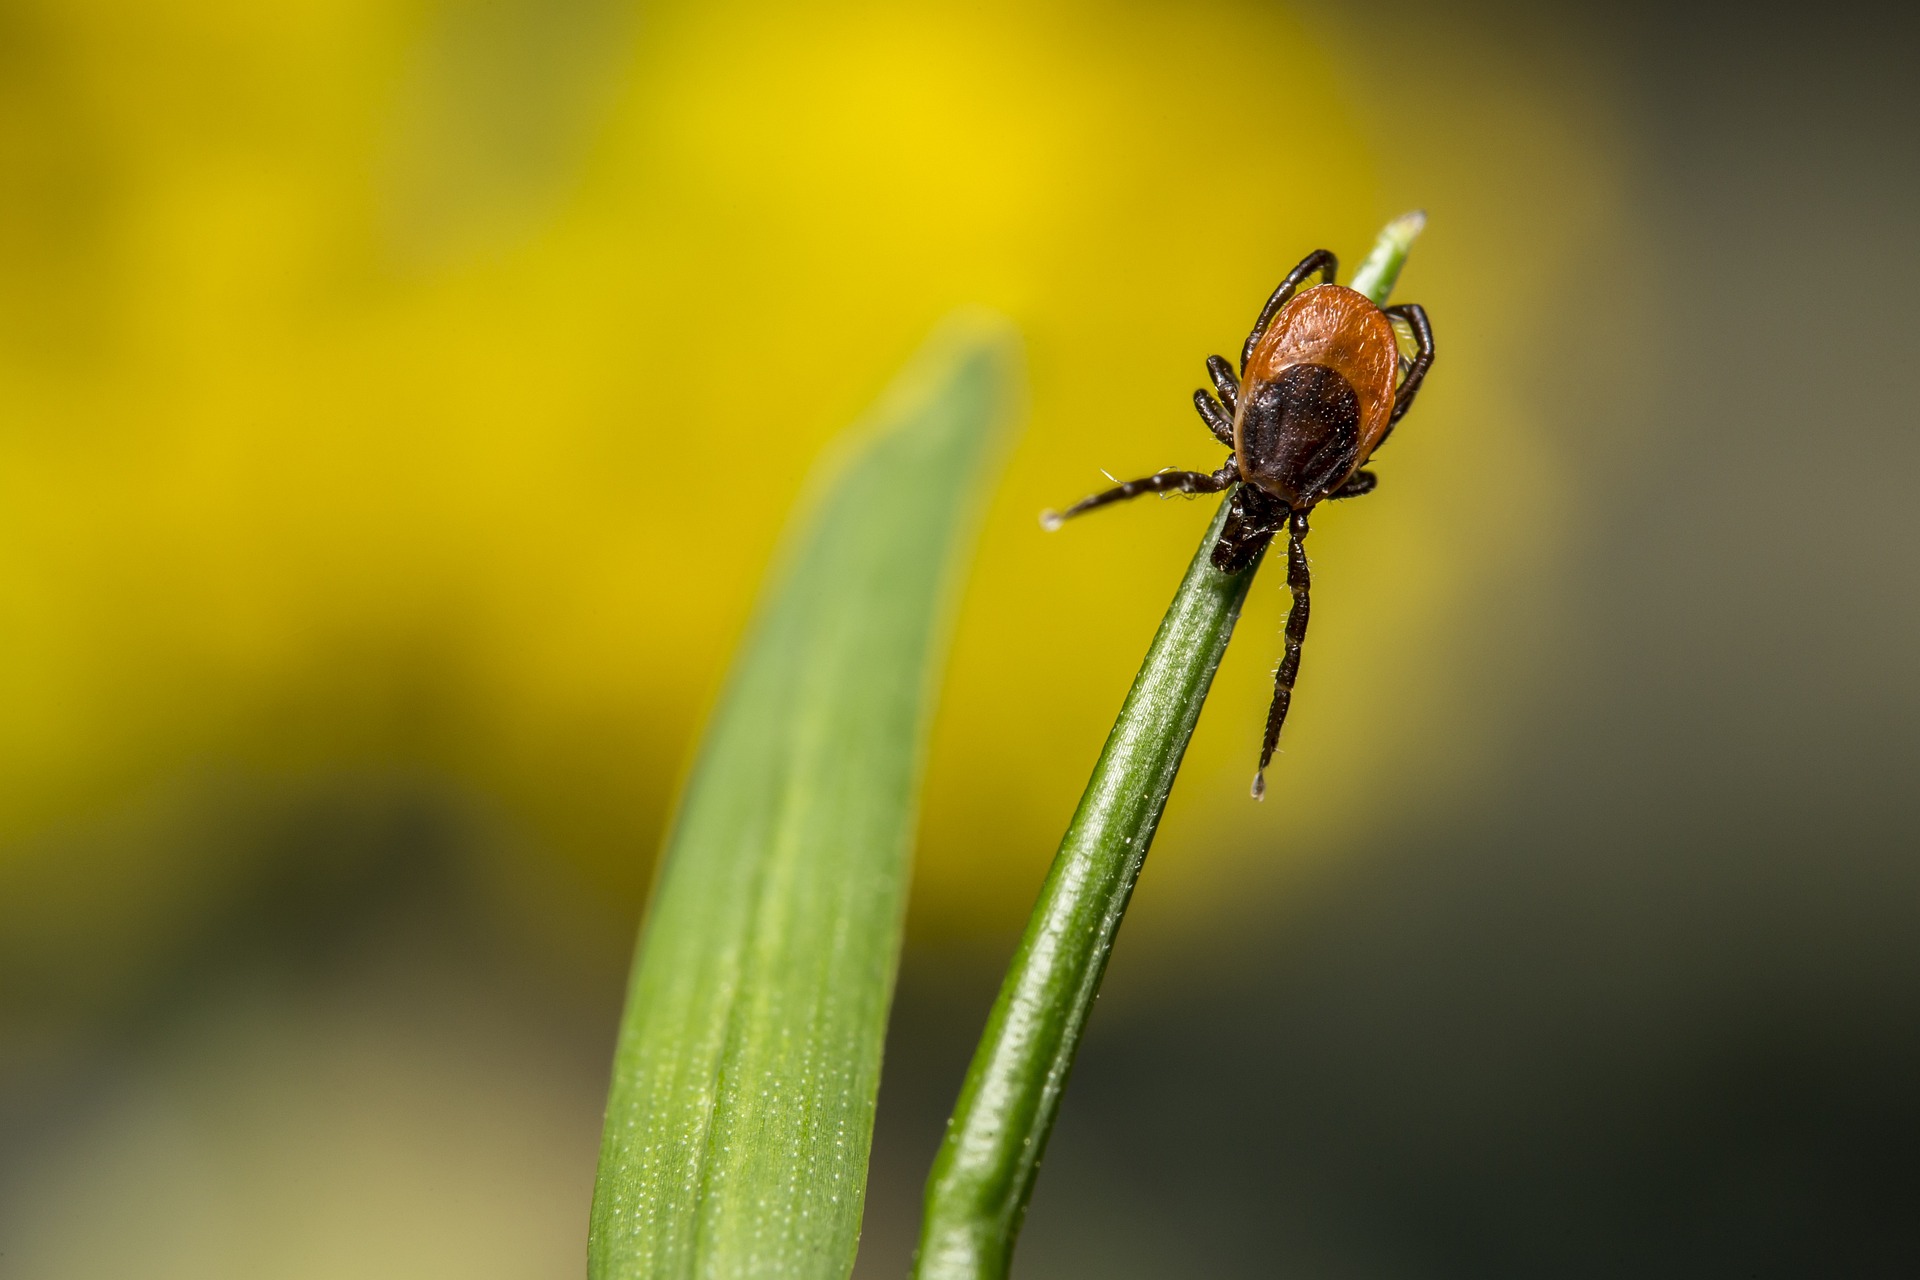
x: 1322, y: 383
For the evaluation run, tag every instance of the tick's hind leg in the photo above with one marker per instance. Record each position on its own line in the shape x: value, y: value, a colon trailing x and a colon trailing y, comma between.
x: 1219, y: 419
x: 1161, y: 482
x: 1301, y: 581
x: 1416, y: 317
x: 1319, y: 260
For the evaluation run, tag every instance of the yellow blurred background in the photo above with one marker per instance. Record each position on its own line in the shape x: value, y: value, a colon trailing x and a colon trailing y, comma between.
x: 401, y: 402
x: 414, y: 387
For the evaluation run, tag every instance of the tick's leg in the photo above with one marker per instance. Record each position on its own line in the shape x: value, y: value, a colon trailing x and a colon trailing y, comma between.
x: 1416, y: 317
x: 1299, y: 580
x: 1358, y: 483
x: 1218, y: 420
x: 1251, y: 523
x: 1223, y: 381
x: 1162, y: 482
x: 1319, y: 260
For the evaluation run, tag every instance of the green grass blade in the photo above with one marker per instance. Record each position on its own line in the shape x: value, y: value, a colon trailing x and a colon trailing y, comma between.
x: 741, y: 1107
x: 984, y: 1173
x: 1381, y: 271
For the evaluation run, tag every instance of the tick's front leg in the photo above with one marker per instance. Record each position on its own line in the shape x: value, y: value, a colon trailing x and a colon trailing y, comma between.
x: 1160, y: 482
x: 1301, y: 581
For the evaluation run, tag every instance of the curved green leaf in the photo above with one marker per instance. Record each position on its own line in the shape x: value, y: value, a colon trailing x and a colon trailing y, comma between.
x: 743, y: 1091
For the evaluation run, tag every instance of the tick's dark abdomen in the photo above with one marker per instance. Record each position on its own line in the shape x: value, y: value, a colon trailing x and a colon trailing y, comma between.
x: 1299, y: 433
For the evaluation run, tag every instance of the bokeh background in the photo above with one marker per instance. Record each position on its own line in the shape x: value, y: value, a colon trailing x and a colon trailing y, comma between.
x: 399, y: 403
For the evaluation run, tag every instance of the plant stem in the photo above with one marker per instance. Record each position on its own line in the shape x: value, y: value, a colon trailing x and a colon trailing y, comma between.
x: 985, y: 1170
x: 984, y: 1174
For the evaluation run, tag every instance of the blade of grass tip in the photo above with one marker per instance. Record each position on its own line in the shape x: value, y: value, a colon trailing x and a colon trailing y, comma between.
x: 984, y: 1173
x: 742, y: 1099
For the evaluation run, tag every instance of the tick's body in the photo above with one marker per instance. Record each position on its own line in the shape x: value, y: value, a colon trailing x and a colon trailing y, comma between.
x: 1320, y: 392
x: 1320, y: 388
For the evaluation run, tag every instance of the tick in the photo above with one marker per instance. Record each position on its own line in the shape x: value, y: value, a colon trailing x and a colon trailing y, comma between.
x: 1322, y: 384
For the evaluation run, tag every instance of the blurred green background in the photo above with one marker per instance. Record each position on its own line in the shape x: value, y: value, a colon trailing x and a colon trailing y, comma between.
x: 399, y: 403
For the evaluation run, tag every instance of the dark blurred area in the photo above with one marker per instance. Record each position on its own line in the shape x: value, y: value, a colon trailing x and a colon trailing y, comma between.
x: 1641, y: 997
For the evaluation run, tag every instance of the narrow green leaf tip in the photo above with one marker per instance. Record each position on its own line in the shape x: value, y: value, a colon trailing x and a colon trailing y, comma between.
x: 742, y: 1100
x: 985, y: 1171
x: 1380, y: 271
